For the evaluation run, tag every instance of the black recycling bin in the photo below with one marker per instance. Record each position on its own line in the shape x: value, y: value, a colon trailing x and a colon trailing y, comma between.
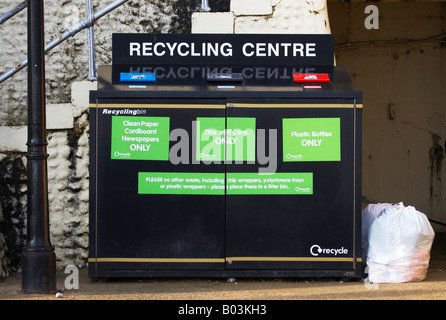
x: 225, y: 156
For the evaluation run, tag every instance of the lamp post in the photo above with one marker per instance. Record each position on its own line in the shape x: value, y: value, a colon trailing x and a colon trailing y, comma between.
x: 38, y: 257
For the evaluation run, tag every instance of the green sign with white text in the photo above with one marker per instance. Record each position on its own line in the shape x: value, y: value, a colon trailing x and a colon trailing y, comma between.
x: 295, y: 183
x: 226, y: 139
x: 311, y: 139
x: 140, y: 138
x: 237, y: 183
x: 196, y: 183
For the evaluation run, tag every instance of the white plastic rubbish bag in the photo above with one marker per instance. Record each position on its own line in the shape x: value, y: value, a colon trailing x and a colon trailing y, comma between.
x: 369, y: 214
x: 400, y: 241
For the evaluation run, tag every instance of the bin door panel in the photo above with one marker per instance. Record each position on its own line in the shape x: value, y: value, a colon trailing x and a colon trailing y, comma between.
x: 152, y: 209
x: 301, y: 214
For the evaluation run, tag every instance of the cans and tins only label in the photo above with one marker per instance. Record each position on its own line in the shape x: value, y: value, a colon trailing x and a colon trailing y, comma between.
x: 226, y: 139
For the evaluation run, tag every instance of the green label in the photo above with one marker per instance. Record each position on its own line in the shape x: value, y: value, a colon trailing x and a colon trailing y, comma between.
x: 140, y: 138
x: 240, y: 183
x: 278, y: 183
x: 210, y: 139
x: 181, y: 183
x: 226, y: 139
x: 312, y: 139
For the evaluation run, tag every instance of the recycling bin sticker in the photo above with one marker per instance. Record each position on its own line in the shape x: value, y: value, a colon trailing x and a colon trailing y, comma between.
x: 311, y: 139
x: 140, y: 138
x: 226, y: 139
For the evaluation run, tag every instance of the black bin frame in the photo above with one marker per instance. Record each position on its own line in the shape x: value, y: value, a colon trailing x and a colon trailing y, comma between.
x: 185, y: 241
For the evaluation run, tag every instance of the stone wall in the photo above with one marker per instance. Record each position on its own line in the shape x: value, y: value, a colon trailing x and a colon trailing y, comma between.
x: 68, y: 149
x: 12, y: 208
x: 265, y: 16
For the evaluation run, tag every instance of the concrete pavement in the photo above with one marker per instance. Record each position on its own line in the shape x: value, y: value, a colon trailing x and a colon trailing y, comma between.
x: 432, y: 288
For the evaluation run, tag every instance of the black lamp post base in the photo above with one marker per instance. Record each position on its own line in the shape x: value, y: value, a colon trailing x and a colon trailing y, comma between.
x: 42, y: 279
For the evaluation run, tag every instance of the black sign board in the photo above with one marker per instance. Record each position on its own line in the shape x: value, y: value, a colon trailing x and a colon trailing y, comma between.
x: 223, y: 49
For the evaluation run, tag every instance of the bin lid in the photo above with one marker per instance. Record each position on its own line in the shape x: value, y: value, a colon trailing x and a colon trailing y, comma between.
x: 218, y: 78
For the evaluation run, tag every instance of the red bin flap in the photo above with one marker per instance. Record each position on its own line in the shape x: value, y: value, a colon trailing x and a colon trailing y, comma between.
x: 311, y: 77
